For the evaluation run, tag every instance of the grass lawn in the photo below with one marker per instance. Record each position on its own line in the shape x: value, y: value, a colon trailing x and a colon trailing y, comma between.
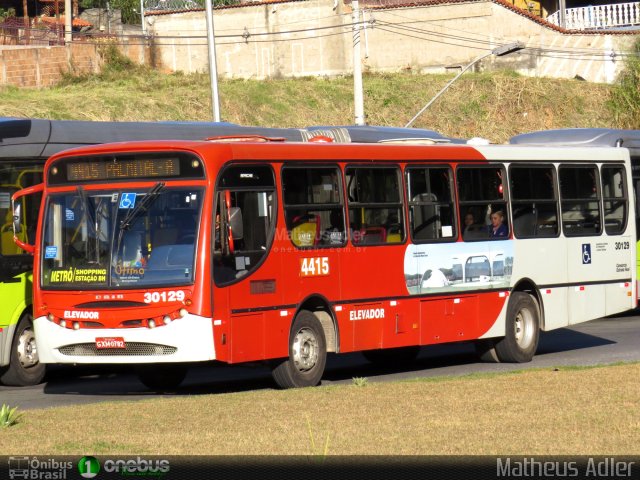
x: 565, y: 411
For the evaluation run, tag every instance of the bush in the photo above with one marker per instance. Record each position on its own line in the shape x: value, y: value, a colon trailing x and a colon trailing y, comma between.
x: 9, y: 416
x: 625, y: 94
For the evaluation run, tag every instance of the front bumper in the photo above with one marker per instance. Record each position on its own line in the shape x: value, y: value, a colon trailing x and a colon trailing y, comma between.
x: 188, y: 339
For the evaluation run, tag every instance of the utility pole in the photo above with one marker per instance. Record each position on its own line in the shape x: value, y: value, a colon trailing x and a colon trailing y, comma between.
x: 144, y: 28
x: 213, y: 67
x: 562, y: 4
x: 358, y: 98
x: 68, y: 17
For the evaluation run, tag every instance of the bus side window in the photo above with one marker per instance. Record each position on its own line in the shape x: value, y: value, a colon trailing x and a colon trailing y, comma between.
x: 431, y: 210
x: 580, y: 202
x: 314, y: 210
x: 614, y: 197
x: 482, y: 197
x: 244, y: 219
x: 375, y: 205
x: 534, y: 201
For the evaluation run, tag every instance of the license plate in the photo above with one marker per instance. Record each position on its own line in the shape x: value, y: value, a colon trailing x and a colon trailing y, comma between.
x: 110, y: 342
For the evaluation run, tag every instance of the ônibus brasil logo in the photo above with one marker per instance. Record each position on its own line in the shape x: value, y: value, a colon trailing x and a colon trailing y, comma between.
x: 88, y: 467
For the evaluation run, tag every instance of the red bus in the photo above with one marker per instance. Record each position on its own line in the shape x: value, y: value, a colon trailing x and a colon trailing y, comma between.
x: 160, y: 254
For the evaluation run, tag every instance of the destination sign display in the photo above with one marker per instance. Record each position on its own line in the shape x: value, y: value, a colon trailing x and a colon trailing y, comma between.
x: 124, y: 169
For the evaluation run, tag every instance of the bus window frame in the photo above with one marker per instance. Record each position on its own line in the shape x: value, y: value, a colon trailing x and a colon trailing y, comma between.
x: 598, y: 198
x: 556, y: 193
x: 625, y: 197
x: 274, y: 223
x: 506, y: 200
x: 454, y: 202
x: 308, y: 206
x: 401, y: 202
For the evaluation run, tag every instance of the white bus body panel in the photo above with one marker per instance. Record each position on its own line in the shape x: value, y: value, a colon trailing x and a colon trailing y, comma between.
x: 573, y: 290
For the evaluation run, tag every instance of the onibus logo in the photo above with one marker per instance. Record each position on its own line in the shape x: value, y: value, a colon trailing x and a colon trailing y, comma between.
x: 88, y: 467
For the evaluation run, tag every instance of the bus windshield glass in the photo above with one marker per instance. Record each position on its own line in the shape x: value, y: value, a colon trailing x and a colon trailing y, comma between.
x: 125, y: 238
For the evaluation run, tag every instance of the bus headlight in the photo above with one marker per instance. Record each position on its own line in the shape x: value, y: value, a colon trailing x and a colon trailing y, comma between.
x: 151, y: 323
x: 166, y: 319
x: 50, y: 317
x: 183, y: 312
x: 63, y: 323
x: 76, y: 325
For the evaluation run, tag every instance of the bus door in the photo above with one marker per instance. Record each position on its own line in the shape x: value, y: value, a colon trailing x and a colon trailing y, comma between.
x: 246, y: 274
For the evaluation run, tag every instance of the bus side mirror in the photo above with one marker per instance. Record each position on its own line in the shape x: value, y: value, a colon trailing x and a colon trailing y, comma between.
x: 18, y: 221
x: 235, y: 222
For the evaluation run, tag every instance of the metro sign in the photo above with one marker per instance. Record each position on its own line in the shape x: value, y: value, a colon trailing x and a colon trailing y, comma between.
x: 109, y: 342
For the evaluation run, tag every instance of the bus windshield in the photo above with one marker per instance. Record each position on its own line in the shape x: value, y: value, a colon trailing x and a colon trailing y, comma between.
x: 124, y: 238
x: 15, y: 175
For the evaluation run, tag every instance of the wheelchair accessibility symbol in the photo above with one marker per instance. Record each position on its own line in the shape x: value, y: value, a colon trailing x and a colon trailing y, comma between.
x: 127, y: 200
x: 586, y: 253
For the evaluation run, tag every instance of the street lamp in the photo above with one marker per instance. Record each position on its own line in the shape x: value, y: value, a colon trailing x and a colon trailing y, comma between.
x: 498, y: 52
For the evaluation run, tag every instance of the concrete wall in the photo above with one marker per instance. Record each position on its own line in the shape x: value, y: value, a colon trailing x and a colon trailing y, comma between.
x: 477, y: 26
x: 38, y: 66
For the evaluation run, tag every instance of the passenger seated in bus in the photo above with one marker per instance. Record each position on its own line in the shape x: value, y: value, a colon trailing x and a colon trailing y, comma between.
x: 472, y: 230
x: 497, y: 227
x: 469, y: 220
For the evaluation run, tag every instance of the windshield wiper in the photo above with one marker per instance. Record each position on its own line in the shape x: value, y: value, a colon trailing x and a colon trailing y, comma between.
x: 134, y: 213
x: 141, y: 207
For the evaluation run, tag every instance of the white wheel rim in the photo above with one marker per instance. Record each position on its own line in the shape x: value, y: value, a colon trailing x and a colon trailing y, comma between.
x: 27, y: 350
x: 305, y: 349
x: 524, y: 328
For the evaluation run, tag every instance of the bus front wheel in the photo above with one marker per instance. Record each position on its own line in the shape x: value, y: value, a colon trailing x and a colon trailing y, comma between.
x: 24, y: 365
x: 307, y: 354
x: 522, y: 330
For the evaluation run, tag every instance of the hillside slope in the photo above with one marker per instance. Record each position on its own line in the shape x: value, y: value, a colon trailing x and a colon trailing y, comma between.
x: 494, y: 106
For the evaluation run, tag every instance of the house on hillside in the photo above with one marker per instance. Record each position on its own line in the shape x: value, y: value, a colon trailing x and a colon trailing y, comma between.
x: 42, y: 22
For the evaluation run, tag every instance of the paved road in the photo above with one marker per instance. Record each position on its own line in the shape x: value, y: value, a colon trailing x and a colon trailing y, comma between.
x: 600, y: 341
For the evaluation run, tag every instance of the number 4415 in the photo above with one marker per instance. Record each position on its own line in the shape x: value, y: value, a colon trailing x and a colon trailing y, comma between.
x: 314, y: 266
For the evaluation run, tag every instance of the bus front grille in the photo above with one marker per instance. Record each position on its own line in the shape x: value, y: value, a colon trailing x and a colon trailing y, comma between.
x: 132, y: 348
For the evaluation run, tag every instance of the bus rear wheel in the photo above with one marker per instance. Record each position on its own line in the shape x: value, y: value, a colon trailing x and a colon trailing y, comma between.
x: 24, y: 365
x: 522, y: 331
x: 307, y: 354
x: 162, y: 377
